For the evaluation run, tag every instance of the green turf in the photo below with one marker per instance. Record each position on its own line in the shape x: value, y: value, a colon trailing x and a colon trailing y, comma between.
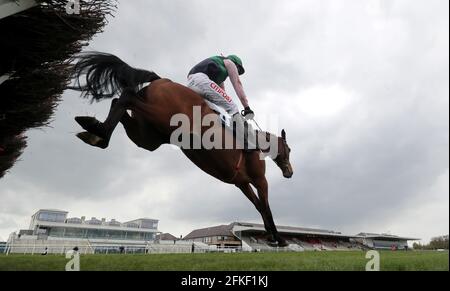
x: 321, y: 261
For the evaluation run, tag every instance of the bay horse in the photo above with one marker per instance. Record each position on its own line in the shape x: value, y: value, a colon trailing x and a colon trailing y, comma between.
x: 152, y: 107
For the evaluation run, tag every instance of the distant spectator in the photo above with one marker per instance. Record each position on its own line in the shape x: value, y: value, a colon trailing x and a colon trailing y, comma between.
x: 121, y: 249
x: 193, y: 248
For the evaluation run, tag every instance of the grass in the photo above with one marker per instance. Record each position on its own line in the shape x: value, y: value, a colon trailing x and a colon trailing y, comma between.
x: 306, y: 261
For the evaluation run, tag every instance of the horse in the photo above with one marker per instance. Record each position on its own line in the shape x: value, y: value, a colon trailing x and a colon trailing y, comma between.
x: 153, y: 101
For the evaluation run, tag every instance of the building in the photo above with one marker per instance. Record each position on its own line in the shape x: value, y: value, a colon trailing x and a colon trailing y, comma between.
x: 48, y: 223
x: 384, y: 241
x: 50, y: 227
x: 52, y: 231
x: 253, y: 237
x: 2, y: 247
x: 166, y: 237
x: 220, y: 236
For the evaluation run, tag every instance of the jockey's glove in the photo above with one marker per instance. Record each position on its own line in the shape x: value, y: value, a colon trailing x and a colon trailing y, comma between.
x: 248, y: 113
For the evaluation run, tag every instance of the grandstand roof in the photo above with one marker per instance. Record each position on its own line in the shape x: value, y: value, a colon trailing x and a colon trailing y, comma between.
x: 230, y: 229
x: 245, y: 226
x: 227, y: 230
x: 383, y: 236
x: 294, y: 228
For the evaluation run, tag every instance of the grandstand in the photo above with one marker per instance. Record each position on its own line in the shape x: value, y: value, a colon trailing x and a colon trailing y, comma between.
x: 52, y: 232
x: 383, y: 241
x: 252, y: 237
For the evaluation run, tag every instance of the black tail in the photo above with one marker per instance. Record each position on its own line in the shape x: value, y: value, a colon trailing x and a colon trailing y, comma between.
x: 107, y: 75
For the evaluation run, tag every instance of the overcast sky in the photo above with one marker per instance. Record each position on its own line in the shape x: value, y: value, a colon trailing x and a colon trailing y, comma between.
x: 361, y: 88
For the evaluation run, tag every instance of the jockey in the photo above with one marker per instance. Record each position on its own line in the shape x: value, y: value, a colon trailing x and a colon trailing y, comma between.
x: 208, y: 77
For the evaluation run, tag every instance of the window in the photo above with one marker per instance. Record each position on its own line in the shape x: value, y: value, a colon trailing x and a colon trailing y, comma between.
x: 116, y: 234
x: 114, y: 223
x: 135, y: 235
x: 74, y: 233
x: 146, y: 224
x: 149, y: 236
x: 94, y: 221
x: 149, y: 224
x: 74, y: 220
x: 56, y: 232
x: 41, y: 230
x: 51, y: 216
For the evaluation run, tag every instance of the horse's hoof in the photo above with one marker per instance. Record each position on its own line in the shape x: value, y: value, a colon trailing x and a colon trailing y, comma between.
x: 282, y: 244
x: 86, y: 121
x: 93, y: 140
x: 91, y: 125
x: 272, y: 244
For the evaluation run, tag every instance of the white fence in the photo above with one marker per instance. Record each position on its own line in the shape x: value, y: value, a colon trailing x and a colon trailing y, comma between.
x: 44, y: 247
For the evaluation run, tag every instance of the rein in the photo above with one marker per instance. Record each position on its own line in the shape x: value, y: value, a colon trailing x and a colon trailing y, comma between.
x: 256, y: 123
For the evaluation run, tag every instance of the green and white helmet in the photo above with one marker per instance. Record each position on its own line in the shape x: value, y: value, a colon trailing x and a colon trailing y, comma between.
x: 238, y: 62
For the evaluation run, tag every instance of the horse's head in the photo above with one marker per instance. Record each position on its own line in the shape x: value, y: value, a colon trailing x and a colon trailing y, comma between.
x: 282, y: 159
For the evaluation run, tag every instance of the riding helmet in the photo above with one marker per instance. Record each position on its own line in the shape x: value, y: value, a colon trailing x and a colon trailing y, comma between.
x: 238, y: 62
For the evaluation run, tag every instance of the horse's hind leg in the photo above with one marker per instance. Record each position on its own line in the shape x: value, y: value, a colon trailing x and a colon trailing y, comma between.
x: 98, y: 134
x: 140, y: 133
x: 132, y: 129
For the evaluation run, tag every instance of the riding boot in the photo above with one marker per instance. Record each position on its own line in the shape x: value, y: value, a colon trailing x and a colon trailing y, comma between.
x: 245, y: 134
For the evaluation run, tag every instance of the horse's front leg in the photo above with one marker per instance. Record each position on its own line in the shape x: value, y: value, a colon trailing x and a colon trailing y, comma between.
x: 250, y: 194
x: 263, y: 194
x: 99, y: 133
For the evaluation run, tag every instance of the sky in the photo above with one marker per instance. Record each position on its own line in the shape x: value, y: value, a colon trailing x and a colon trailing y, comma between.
x: 361, y: 87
